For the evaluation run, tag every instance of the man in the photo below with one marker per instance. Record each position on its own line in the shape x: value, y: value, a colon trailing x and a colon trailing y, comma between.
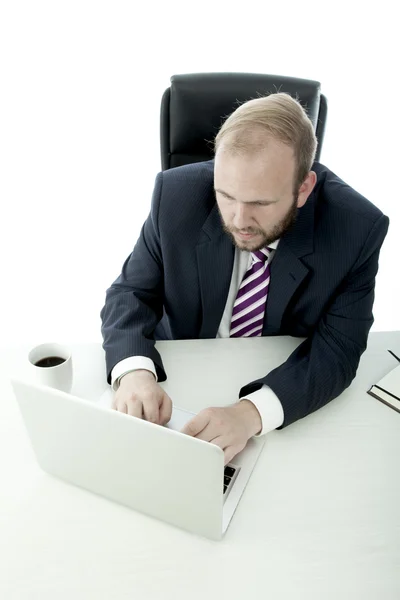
x: 261, y: 241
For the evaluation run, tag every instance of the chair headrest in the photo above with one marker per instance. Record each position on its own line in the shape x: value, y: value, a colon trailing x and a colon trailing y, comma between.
x: 199, y: 103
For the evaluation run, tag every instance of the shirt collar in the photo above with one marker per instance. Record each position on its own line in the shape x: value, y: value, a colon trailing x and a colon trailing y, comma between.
x: 274, y: 245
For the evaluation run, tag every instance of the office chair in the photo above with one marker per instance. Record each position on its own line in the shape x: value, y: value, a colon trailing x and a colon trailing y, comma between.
x: 194, y: 107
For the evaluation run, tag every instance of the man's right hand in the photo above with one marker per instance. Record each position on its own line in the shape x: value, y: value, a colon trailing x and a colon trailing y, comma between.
x: 139, y: 395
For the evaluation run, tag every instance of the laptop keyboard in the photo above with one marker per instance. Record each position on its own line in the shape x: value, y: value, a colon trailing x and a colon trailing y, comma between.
x: 229, y: 473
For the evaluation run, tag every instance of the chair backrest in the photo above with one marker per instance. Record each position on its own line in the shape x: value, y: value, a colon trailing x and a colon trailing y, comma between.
x: 194, y: 107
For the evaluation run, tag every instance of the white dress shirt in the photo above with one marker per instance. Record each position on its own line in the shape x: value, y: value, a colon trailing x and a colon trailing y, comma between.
x: 264, y: 399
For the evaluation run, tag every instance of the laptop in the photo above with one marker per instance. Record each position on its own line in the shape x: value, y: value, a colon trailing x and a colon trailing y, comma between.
x: 156, y: 470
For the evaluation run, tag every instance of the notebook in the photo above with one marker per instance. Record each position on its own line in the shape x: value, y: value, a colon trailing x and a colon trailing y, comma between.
x: 387, y: 390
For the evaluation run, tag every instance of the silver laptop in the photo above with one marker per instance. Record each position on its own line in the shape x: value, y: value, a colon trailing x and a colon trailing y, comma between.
x: 156, y: 470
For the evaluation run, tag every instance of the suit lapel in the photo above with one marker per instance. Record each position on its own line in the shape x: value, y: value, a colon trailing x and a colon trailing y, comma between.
x: 215, y: 255
x: 287, y: 269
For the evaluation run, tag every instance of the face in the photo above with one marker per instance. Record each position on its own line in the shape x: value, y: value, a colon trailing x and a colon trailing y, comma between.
x: 254, y: 193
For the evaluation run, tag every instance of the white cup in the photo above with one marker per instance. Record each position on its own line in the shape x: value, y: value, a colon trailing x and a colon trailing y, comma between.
x: 58, y: 376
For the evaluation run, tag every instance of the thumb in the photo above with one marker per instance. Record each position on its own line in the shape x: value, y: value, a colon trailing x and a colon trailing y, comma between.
x: 165, y: 409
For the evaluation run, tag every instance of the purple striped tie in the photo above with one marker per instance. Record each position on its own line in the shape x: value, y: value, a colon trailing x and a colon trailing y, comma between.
x: 249, y: 308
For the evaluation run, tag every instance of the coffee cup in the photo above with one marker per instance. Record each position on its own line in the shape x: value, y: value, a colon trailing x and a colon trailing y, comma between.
x: 51, y: 365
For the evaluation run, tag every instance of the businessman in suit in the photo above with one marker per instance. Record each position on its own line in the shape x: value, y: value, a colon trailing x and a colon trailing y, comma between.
x: 261, y: 240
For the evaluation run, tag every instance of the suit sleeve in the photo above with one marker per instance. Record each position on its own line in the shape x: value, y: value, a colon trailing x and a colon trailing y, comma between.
x: 134, y: 302
x: 325, y: 364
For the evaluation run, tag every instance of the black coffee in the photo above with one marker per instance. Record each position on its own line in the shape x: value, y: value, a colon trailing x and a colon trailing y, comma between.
x: 50, y: 361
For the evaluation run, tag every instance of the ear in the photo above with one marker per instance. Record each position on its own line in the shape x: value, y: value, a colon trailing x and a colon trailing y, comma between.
x: 306, y: 188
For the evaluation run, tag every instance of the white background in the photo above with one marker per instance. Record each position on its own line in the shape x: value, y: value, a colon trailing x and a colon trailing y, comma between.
x: 81, y: 85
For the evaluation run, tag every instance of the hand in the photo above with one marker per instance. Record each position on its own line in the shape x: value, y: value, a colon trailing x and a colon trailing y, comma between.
x: 229, y: 428
x: 139, y: 395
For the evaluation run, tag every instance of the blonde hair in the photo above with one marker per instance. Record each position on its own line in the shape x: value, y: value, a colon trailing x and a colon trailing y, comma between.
x: 277, y: 116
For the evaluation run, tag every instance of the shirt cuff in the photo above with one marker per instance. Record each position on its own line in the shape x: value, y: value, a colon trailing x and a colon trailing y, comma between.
x: 133, y: 363
x: 270, y: 408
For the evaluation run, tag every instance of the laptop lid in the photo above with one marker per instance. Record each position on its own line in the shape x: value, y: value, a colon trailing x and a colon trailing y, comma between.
x: 152, y: 469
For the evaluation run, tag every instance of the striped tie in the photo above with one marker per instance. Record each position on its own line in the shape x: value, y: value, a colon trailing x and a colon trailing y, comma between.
x: 249, y: 308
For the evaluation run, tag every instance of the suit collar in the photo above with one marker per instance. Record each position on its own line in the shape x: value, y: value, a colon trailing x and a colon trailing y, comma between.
x: 212, y: 227
x: 215, y: 255
x: 300, y: 238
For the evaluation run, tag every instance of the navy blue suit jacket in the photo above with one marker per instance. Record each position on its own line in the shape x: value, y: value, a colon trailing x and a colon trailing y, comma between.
x: 175, y: 283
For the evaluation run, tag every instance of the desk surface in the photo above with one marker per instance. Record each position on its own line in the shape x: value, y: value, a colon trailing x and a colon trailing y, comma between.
x: 320, y: 517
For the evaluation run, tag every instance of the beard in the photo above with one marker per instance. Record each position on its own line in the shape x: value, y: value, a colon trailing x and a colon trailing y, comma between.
x: 266, y: 237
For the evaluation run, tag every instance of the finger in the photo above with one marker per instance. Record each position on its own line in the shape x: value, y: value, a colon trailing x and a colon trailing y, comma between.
x: 135, y: 408
x: 151, y: 411
x: 230, y: 453
x: 120, y: 405
x: 220, y: 441
x: 165, y: 410
x: 197, y: 424
x: 210, y: 432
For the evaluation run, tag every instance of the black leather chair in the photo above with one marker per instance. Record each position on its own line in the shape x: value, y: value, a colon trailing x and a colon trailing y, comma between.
x: 194, y: 107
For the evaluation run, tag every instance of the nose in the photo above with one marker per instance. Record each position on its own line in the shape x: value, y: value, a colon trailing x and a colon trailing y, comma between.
x: 242, y: 217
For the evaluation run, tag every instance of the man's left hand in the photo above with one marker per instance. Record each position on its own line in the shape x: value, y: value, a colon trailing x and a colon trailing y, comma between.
x: 229, y: 428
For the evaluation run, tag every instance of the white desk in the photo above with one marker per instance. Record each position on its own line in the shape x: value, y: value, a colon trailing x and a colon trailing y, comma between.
x: 320, y: 518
